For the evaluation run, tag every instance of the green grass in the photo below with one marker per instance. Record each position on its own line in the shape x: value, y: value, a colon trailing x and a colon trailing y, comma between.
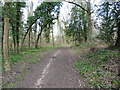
x: 34, y: 61
x: 31, y: 55
x: 95, y: 67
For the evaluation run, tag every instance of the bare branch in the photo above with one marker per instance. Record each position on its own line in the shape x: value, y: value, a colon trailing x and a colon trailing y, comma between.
x: 78, y: 5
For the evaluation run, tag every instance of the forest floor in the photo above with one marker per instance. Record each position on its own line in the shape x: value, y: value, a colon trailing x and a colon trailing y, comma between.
x: 98, y: 64
x: 83, y: 66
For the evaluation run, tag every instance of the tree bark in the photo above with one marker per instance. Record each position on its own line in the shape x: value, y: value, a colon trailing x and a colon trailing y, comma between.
x: 38, y: 37
x: 13, y: 35
x: 117, y: 44
x: 2, y: 37
x: 89, y: 21
x: 29, y: 39
x: 6, y: 44
x: 17, y: 24
x: 14, y: 39
x: 53, y: 38
x: 35, y: 30
x: 2, y: 32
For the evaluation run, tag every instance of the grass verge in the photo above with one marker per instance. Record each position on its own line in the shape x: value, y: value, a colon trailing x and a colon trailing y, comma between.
x: 31, y: 55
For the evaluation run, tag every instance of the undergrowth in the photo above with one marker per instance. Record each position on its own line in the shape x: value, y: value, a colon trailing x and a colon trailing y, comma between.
x: 98, y: 66
x: 31, y: 55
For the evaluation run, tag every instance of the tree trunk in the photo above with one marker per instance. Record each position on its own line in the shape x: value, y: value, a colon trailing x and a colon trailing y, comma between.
x: 2, y: 33
x: 117, y: 44
x: 29, y: 40
x: 14, y: 39
x: 53, y: 38
x: 6, y: 44
x: 35, y: 30
x: 17, y: 24
x: 41, y: 40
x: 85, y: 33
x: 89, y: 21
x: 2, y: 37
x: 13, y: 35
x: 22, y: 42
x: 38, y: 37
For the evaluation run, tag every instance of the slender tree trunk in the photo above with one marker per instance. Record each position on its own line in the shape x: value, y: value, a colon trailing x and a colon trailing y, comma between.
x: 84, y: 25
x: 53, y: 38
x: 14, y: 36
x: 14, y: 39
x: 17, y: 24
x: 89, y: 20
x: 85, y: 33
x: 38, y: 37
x: 79, y: 36
x: 34, y: 38
x: 6, y: 44
x: 40, y: 40
x: 22, y: 42
x: 35, y: 30
x: 17, y: 42
x: 29, y: 39
x: 85, y: 38
x: 2, y: 36
x: 117, y: 44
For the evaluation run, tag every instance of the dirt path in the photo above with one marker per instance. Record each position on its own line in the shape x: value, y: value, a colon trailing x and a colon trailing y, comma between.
x: 54, y: 71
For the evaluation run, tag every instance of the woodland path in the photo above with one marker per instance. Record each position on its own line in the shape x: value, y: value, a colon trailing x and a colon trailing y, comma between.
x: 55, y: 70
